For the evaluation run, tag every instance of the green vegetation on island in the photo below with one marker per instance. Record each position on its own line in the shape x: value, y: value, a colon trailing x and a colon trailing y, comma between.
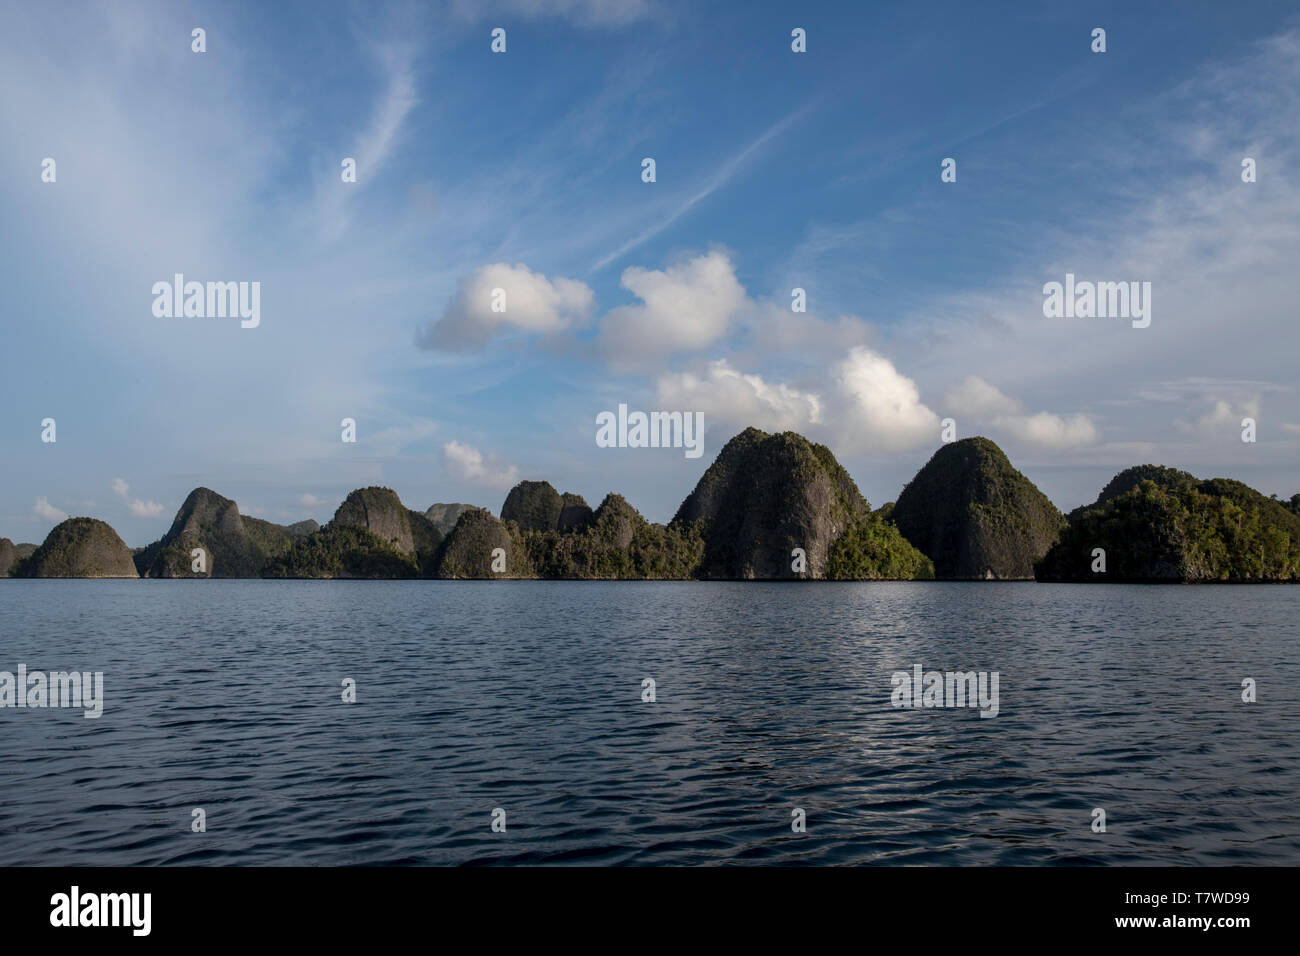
x: 615, y: 543
x: 1157, y: 524
x: 770, y: 507
x: 79, y: 548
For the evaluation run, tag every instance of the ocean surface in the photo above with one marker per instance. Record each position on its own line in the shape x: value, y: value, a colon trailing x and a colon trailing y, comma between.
x: 527, y: 697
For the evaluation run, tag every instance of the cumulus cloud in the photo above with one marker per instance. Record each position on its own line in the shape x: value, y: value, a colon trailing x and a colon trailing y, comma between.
x: 141, y: 509
x: 985, y: 404
x: 43, y: 509
x: 469, y: 464
x: 869, y: 405
x: 310, y: 501
x: 533, y: 305
x: 685, y: 307
x: 879, y: 408
x: 1052, y: 431
x: 727, y: 395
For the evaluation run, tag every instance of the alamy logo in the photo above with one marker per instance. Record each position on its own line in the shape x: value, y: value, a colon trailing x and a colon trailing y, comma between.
x: 57, y: 689
x: 655, y: 430
x: 1098, y: 300
x: 103, y: 909
x: 922, y: 688
x: 211, y: 300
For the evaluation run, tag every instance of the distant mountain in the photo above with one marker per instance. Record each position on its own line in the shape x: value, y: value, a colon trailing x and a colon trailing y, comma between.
x: 445, y: 516
x: 236, y: 546
x: 300, y: 529
x: 1157, y: 524
x: 79, y: 548
x: 767, y: 495
x: 975, y: 516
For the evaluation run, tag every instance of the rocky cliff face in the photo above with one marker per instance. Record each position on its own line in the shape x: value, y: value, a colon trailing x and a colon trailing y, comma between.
x: 300, y: 529
x: 975, y: 516
x: 234, y: 545
x: 381, y: 512
x: 80, y: 548
x: 1158, y: 524
x: 764, y: 496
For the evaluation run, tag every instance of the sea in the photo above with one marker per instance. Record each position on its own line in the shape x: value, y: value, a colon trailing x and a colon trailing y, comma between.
x: 651, y: 723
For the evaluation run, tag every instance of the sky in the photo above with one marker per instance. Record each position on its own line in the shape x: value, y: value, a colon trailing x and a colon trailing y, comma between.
x: 523, y: 171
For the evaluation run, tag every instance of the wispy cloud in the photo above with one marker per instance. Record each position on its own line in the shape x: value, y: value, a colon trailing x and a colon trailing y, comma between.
x: 375, y: 144
x: 587, y: 13
x: 719, y: 179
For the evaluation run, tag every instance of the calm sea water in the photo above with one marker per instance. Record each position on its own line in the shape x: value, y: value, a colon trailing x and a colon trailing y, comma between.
x: 526, y: 696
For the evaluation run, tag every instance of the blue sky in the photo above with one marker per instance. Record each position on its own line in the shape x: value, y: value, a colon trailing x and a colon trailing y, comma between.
x: 522, y: 171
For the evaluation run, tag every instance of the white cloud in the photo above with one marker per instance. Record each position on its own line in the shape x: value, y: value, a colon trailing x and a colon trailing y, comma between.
x: 686, y: 307
x: 469, y: 464
x: 983, y: 403
x: 146, y: 509
x: 726, y: 395
x: 141, y: 509
x: 310, y: 501
x: 43, y: 509
x: 879, y: 407
x: 870, y: 405
x: 1050, y: 430
x: 533, y: 304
